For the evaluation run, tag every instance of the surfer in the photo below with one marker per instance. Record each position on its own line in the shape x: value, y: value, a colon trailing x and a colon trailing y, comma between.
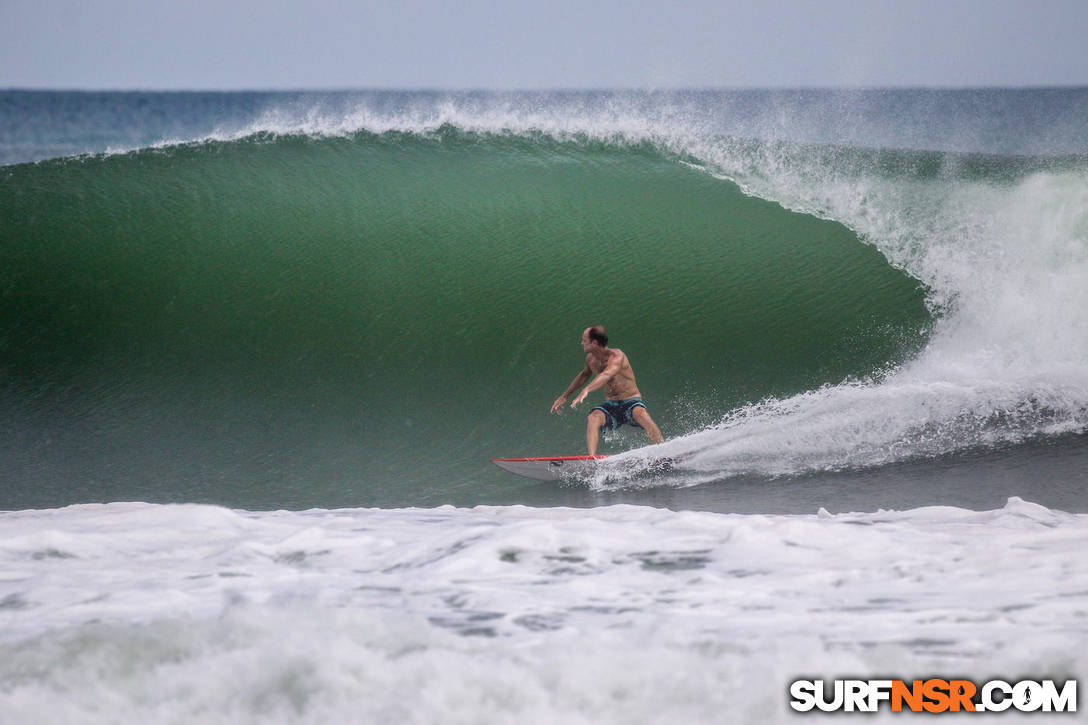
x: 613, y: 373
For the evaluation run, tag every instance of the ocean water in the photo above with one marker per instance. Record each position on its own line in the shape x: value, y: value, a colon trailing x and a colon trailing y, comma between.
x: 257, y: 349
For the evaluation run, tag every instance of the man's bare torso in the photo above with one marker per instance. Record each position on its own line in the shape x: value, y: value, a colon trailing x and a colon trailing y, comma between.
x: 620, y: 386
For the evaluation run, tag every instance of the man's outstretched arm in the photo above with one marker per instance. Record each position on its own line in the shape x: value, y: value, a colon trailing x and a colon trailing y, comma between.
x: 579, y: 379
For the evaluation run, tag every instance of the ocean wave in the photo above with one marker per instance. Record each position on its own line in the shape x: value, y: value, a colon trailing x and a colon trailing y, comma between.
x: 312, y: 252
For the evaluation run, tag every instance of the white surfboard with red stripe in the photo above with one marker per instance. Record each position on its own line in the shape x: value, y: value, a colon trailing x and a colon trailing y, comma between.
x: 547, y: 469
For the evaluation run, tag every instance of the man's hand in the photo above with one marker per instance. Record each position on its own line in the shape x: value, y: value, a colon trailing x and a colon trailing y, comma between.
x: 581, y: 396
x: 558, y: 404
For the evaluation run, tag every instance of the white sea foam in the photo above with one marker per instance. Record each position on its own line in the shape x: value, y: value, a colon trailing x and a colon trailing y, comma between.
x: 137, y: 613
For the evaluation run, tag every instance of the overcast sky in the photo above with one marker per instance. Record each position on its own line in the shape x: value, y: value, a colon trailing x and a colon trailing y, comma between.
x: 507, y: 44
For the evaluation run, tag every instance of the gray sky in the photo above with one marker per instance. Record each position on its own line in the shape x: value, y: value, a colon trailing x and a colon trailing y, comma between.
x: 236, y: 44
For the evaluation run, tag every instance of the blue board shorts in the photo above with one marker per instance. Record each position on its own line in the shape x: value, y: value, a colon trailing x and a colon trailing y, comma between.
x: 618, y: 412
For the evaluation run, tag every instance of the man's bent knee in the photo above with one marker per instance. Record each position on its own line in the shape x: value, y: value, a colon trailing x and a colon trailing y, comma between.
x: 642, y: 417
x: 596, y: 417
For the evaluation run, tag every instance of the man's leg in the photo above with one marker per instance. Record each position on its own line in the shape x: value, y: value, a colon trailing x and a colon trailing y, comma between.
x: 593, y: 430
x: 642, y: 417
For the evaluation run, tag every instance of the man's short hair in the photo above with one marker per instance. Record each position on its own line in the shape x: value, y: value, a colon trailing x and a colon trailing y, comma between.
x: 597, y: 333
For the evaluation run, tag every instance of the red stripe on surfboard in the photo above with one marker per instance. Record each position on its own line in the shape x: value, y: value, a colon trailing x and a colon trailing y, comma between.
x: 551, y: 458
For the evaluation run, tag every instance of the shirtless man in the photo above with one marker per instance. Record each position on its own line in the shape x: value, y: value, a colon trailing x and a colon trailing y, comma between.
x: 613, y: 373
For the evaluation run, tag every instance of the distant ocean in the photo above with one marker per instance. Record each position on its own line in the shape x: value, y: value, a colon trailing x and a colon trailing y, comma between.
x: 256, y: 350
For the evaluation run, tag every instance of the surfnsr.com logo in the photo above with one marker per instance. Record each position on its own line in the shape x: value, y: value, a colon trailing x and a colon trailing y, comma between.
x: 933, y: 695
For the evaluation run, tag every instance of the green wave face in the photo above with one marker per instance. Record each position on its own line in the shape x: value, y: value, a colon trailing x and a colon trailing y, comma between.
x: 291, y: 321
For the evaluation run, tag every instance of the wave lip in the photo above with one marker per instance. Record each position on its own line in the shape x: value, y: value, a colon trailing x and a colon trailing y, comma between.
x: 37, y: 125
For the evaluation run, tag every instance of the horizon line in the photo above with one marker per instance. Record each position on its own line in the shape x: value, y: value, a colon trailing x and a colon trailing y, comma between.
x: 540, y: 89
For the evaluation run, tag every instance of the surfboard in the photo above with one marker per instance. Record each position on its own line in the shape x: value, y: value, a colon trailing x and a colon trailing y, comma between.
x: 547, y: 469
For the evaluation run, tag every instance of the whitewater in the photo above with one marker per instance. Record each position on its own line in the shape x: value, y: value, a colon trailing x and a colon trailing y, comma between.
x: 131, y: 612
x: 221, y: 500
